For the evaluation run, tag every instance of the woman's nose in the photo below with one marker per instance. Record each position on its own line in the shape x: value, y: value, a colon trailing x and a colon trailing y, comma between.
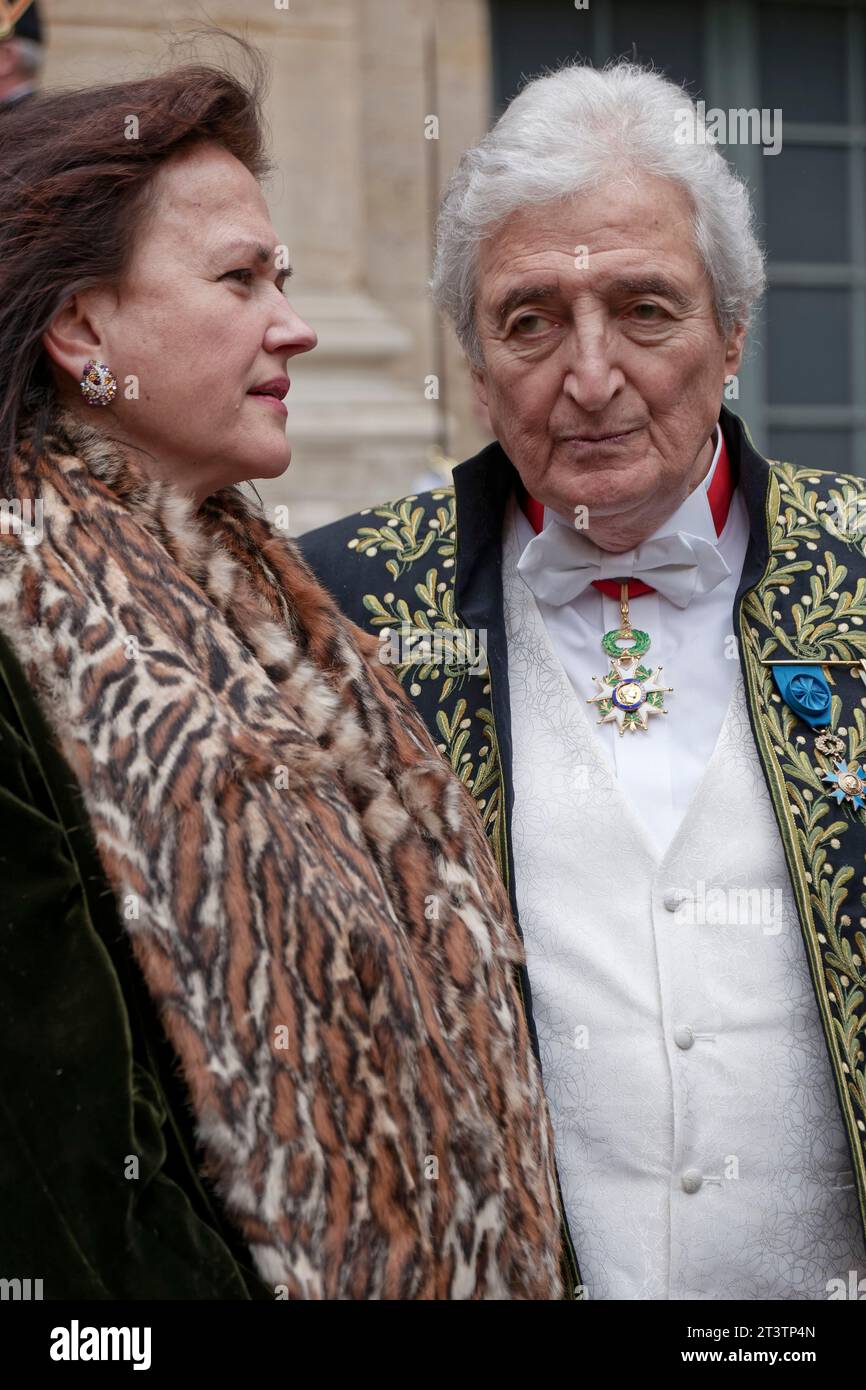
x: 292, y: 334
x: 305, y: 336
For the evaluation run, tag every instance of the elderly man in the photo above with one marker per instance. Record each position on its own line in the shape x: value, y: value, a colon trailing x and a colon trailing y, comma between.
x: 665, y: 740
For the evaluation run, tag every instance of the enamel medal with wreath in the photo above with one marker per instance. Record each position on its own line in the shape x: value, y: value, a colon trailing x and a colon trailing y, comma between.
x: 630, y: 692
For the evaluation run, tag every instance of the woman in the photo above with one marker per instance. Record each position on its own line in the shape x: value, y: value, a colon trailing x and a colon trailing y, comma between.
x: 260, y: 1030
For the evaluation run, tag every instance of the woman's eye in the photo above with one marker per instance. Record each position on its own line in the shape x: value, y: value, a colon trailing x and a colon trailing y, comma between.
x: 246, y: 277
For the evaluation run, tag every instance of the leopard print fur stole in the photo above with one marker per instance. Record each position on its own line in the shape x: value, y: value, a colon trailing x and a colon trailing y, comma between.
x: 307, y: 888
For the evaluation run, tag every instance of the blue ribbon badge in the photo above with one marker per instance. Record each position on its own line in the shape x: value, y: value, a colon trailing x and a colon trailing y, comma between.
x: 805, y: 690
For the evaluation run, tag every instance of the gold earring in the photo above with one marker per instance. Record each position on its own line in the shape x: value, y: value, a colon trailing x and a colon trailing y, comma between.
x: 98, y: 383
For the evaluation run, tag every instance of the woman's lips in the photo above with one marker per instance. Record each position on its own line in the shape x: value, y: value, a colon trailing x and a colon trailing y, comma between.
x: 273, y: 401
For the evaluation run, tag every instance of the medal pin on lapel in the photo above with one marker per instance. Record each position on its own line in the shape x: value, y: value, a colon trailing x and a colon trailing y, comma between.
x: 806, y: 692
x: 630, y: 692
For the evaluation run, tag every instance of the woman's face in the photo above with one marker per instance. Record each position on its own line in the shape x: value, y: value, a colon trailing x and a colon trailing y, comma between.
x: 197, y: 328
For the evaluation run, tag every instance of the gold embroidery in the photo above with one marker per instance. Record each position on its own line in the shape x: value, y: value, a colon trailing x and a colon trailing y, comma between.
x: 818, y: 625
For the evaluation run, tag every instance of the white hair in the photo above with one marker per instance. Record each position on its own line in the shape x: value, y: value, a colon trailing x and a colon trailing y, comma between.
x: 575, y: 130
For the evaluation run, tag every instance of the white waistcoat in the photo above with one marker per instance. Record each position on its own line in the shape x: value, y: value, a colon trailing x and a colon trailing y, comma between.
x: 698, y: 1134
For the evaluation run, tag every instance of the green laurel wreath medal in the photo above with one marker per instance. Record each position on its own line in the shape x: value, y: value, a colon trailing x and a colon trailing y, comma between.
x: 630, y: 692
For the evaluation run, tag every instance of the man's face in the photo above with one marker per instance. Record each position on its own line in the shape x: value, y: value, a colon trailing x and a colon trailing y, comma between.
x: 604, y: 365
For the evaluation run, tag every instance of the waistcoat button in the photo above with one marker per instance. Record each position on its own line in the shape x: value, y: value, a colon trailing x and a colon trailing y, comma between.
x: 683, y: 1036
x: 691, y: 1180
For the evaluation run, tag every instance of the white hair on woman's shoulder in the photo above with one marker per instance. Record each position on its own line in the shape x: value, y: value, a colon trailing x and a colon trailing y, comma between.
x: 571, y: 131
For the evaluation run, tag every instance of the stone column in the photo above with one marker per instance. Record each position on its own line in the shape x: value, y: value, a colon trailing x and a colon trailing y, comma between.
x: 465, y: 99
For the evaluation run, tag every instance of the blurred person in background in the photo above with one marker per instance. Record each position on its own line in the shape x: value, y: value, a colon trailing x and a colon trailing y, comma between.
x: 21, y: 58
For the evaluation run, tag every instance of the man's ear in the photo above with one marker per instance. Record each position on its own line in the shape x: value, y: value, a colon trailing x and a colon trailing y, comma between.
x: 479, y: 384
x: 734, y: 349
x: 74, y: 334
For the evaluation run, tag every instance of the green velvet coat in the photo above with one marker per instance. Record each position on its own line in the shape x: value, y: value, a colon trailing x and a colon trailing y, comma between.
x: 102, y: 1198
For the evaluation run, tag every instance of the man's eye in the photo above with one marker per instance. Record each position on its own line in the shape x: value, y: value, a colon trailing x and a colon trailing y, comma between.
x: 654, y: 311
x: 528, y: 323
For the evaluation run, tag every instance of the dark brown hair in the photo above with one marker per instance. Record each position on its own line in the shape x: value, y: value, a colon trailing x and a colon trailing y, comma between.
x: 73, y: 191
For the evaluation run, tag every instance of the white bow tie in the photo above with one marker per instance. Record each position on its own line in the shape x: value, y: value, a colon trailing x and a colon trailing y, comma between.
x: 560, y: 562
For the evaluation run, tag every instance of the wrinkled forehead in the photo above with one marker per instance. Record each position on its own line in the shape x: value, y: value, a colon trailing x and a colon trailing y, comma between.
x: 197, y: 201
x: 618, y: 227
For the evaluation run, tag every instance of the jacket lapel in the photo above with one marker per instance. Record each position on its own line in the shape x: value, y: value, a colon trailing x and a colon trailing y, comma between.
x: 803, y: 595
x: 482, y: 487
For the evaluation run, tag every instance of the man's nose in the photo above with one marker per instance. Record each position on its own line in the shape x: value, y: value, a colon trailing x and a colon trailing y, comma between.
x: 592, y: 377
